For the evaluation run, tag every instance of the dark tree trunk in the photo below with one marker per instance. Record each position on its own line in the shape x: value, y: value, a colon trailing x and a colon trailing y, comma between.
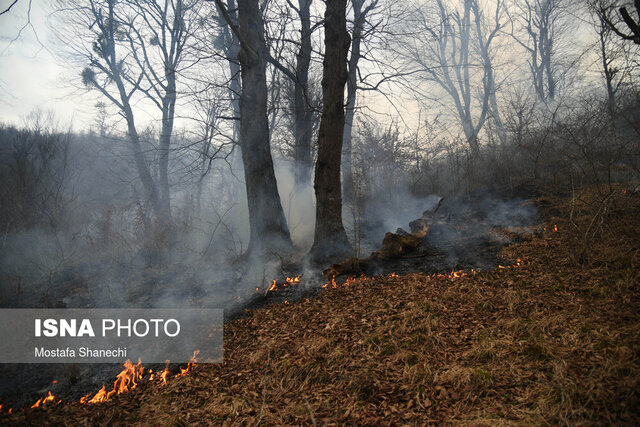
x: 303, y: 124
x: 266, y: 218
x: 330, y: 239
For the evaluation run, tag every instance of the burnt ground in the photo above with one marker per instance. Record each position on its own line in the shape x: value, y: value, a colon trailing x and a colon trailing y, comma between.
x: 555, y: 340
x: 465, y: 235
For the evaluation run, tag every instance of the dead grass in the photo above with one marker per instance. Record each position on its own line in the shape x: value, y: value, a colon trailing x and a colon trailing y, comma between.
x: 556, y: 341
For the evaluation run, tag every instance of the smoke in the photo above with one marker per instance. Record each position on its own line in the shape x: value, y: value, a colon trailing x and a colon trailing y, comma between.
x: 95, y: 245
x: 298, y: 203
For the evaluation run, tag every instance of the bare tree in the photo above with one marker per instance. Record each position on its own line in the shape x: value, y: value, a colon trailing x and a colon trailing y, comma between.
x: 136, y: 49
x: 266, y: 218
x: 303, y: 112
x: 612, y: 53
x: 111, y: 73
x: 229, y: 43
x: 298, y: 74
x: 330, y: 237
x: 540, y: 24
x: 359, y: 19
x: 447, y: 59
x: 158, y: 48
x: 484, y: 44
x: 6, y: 9
x: 633, y: 25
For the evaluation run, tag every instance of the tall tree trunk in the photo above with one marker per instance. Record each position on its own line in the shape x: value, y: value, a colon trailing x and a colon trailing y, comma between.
x: 232, y: 52
x: 347, y: 151
x: 235, y: 90
x: 267, y: 222
x: 168, y: 113
x: 303, y: 125
x: 352, y: 87
x: 140, y: 161
x: 330, y: 237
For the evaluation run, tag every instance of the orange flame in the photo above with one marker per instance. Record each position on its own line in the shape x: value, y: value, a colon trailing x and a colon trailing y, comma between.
x: 331, y: 284
x: 100, y: 396
x: 125, y: 381
x: 129, y: 378
x: 351, y: 281
x: 190, y: 365
x: 42, y: 401
x: 289, y: 281
x: 165, y: 373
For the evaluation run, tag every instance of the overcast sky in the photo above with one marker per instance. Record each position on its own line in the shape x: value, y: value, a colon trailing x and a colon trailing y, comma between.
x: 31, y: 77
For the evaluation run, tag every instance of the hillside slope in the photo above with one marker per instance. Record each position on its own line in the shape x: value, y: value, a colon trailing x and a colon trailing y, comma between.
x: 554, y: 340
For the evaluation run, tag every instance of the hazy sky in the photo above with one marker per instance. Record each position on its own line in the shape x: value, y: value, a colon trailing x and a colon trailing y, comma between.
x: 31, y: 77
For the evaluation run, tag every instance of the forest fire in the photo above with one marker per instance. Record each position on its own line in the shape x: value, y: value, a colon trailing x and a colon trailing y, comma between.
x: 128, y: 379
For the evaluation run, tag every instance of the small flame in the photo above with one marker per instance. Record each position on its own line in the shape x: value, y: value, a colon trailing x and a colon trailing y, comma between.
x: 291, y: 281
x: 555, y: 228
x: 351, y: 281
x: 331, y: 284
x: 164, y: 374
x: 125, y: 381
x: 100, y: 396
x: 190, y: 365
x: 42, y: 401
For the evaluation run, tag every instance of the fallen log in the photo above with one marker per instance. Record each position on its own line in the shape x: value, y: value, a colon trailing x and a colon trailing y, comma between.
x: 394, y: 245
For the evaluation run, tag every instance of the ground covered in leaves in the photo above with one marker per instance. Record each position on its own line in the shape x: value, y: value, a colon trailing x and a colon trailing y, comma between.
x: 556, y: 340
